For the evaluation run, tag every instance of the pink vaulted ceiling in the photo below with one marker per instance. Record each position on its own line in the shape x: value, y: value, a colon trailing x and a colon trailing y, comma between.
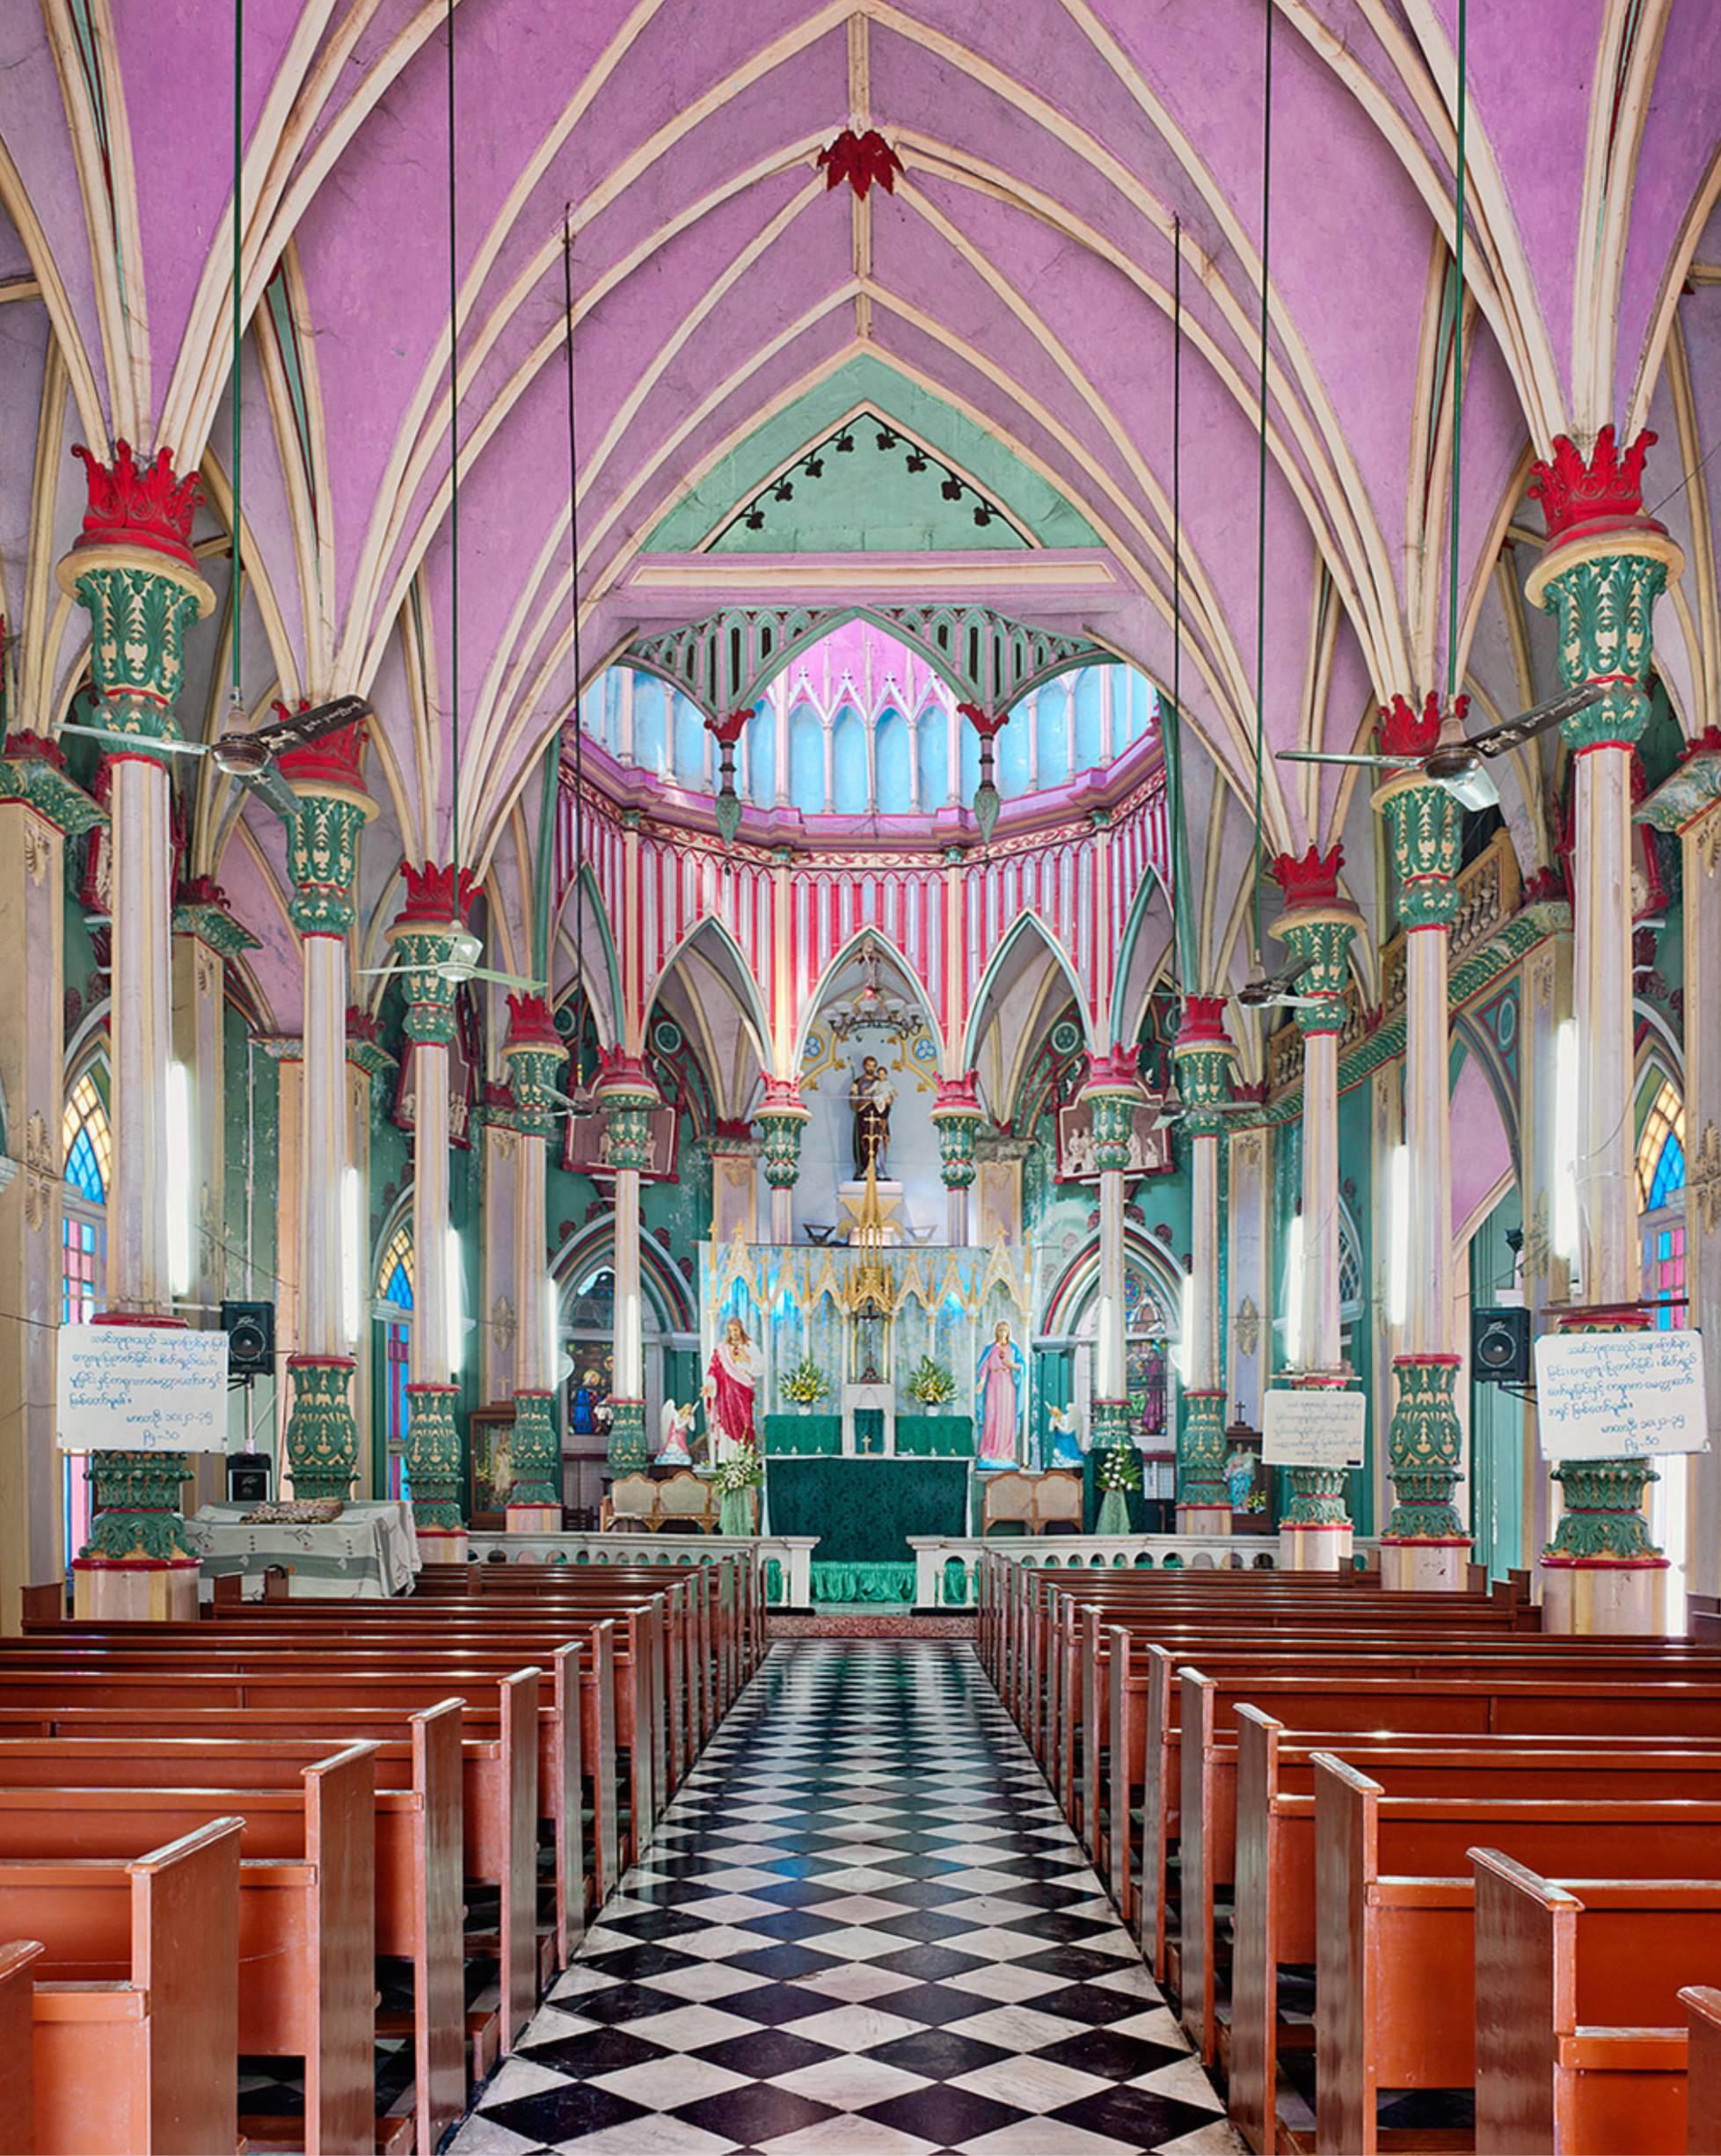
x: 1021, y: 272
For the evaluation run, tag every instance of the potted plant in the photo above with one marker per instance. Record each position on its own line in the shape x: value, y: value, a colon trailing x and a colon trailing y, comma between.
x: 741, y: 1472
x: 806, y: 1385
x: 1118, y: 1472
x: 932, y: 1385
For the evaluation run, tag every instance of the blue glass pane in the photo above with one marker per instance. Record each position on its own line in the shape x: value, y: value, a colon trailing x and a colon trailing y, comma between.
x: 1669, y: 1174
x: 849, y: 788
x: 648, y: 744
x: 1012, y: 777
x: 1089, y: 731
x: 691, y: 740
x: 806, y: 760
x: 83, y: 1171
x: 761, y: 747
x: 399, y: 1289
x: 933, y: 755
x: 1053, y: 733
x: 892, y: 749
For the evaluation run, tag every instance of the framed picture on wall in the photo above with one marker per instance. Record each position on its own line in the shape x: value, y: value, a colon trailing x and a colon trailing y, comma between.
x: 489, y: 1468
x: 586, y: 1147
x: 585, y: 1425
x: 1149, y: 1148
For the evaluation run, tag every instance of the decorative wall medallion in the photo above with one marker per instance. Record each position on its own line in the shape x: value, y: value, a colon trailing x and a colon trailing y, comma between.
x: 1703, y: 1178
x: 1542, y: 978
x: 36, y: 851
x: 1247, y: 1326
x: 41, y: 1169
x: 503, y: 1325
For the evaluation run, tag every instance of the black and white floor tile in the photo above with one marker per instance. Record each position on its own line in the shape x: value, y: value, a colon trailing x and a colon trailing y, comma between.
x: 862, y: 1930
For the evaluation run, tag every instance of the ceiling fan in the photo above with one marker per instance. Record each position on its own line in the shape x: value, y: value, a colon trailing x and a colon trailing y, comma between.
x: 250, y: 758
x: 463, y: 964
x: 1458, y: 761
x: 1277, y: 990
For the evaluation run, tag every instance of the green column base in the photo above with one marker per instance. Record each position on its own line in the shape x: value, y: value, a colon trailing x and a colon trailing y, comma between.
x: 322, y: 1437
x: 137, y: 1517
x: 1603, y: 1514
x: 628, y: 1455
x: 1317, y: 1498
x: 433, y: 1457
x: 534, y: 1452
x: 1424, y: 1447
x: 1202, y: 1452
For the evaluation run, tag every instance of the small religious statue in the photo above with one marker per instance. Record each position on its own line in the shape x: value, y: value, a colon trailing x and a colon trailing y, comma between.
x: 584, y: 1407
x: 999, y: 1382
x: 673, y: 1427
x: 1240, y: 1477
x: 870, y: 1096
x: 731, y: 1381
x: 1066, y: 1441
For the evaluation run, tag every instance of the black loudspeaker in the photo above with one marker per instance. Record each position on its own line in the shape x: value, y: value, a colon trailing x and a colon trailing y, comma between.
x: 251, y: 1339
x: 1500, y: 1347
x: 247, y: 1477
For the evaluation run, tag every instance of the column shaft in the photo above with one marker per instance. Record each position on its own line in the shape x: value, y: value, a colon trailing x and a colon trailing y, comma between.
x: 323, y: 1150
x: 1606, y: 1205
x: 139, y: 1038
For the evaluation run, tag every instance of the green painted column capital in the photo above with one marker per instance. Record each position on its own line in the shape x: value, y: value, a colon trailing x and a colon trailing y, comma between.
x: 434, y: 1468
x: 322, y: 1437
x: 1425, y: 1448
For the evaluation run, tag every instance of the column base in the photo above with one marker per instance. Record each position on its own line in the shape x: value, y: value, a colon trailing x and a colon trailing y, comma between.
x: 535, y: 1519
x: 1424, y: 1566
x: 443, y: 1546
x: 1314, y: 1547
x: 1204, y: 1519
x: 1594, y: 1597
x: 131, y: 1593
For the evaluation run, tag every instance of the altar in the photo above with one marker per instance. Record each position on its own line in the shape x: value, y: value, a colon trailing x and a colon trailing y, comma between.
x: 864, y: 1512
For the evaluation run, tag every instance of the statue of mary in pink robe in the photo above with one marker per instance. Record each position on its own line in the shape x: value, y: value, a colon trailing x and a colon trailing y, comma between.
x: 999, y: 1382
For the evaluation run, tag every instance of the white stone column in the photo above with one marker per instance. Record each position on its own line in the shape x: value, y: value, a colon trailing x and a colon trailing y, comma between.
x: 1314, y: 1531
x: 627, y: 1095
x: 535, y: 1056
x: 133, y: 569
x: 322, y: 1436
x: 437, y: 898
x: 40, y: 810
x: 1202, y: 1057
x: 1114, y: 1092
x: 1605, y: 565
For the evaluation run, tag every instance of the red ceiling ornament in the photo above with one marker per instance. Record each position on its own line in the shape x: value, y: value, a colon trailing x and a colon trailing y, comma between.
x: 1607, y: 491
x: 957, y: 1095
x: 782, y: 1096
x: 989, y: 726
x: 147, y: 507
x: 1406, y: 731
x: 1310, y: 880
x: 435, y: 892
x: 727, y: 732
x: 334, y: 760
x: 860, y: 159
x: 1122, y: 1068
x: 620, y: 1072
x: 531, y: 1022
x: 363, y: 1025
x: 1708, y: 743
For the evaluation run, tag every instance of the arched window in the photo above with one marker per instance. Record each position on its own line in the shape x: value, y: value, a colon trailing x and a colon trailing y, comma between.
x: 1660, y: 1202
x: 87, y: 1148
x: 892, y: 750
x: 806, y: 760
x: 850, y: 793
x: 394, y: 1287
x: 933, y: 754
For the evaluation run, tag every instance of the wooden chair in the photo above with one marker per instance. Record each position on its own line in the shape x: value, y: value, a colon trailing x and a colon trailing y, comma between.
x: 1031, y: 1504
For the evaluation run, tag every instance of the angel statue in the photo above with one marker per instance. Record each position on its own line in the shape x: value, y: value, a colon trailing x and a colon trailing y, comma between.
x: 1065, y: 1439
x: 673, y: 1427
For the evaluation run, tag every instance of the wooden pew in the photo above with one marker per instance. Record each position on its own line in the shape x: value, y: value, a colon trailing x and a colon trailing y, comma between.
x: 501, y: 1781
x: 133, y: 2009
x: 418, y: 1844
x: 1394, y: 1967
x: 306, y: 1915
x: 1275, y: 1908
x: 17, y: 2079
x: 1580, y: 2044
x: 1703, y: 2085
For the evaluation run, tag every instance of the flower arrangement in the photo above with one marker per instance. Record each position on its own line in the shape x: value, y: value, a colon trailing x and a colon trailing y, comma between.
x: 806, y: 1385
x: 931, y: 1385
x: 741, y: 1471
x: 1119, y: 1469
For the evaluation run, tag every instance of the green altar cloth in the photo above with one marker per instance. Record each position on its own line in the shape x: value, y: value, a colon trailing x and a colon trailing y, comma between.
x: 935, y: 1436
x: 863, y: 1510
x: 803, y: 1435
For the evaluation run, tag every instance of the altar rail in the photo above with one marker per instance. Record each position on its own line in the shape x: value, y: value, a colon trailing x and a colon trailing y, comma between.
x: 945, y: 1565
x: 783, y: 1562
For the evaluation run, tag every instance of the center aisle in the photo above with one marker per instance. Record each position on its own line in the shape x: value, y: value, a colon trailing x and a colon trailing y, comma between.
x: 862, y: 1929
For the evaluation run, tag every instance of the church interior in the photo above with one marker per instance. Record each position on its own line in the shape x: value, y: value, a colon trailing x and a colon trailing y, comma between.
x: 860, y: 1190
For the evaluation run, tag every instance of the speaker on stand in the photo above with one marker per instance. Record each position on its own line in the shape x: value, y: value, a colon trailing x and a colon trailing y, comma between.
x: 250, y: 1353
x: 1500, y: 1346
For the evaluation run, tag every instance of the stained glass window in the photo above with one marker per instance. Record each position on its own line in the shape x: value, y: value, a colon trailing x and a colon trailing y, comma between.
x: 86, y: 1141
x: 395, y: 1278
x: 1667, y: 1276
x: 1661, y: 1151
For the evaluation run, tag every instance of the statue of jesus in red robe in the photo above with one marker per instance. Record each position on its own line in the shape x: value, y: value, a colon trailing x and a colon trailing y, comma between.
x: 731, y: 1381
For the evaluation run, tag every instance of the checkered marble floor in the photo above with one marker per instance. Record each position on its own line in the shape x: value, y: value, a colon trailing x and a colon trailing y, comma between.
x: 862, y: 1930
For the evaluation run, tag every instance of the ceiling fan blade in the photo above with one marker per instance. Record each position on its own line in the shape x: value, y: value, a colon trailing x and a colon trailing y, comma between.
x: 174, y: 747
x: 1273, y: 987
x: 269, y: 786
x: 1473, y: 789
x: 377, y: 972
x: 1538, y: 720
x: 309, y: 726
x: 1323, y: 755
x: 507, y: 979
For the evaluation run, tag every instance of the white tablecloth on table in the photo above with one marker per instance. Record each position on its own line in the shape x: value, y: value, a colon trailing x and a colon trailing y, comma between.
x: 371, y: 1552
